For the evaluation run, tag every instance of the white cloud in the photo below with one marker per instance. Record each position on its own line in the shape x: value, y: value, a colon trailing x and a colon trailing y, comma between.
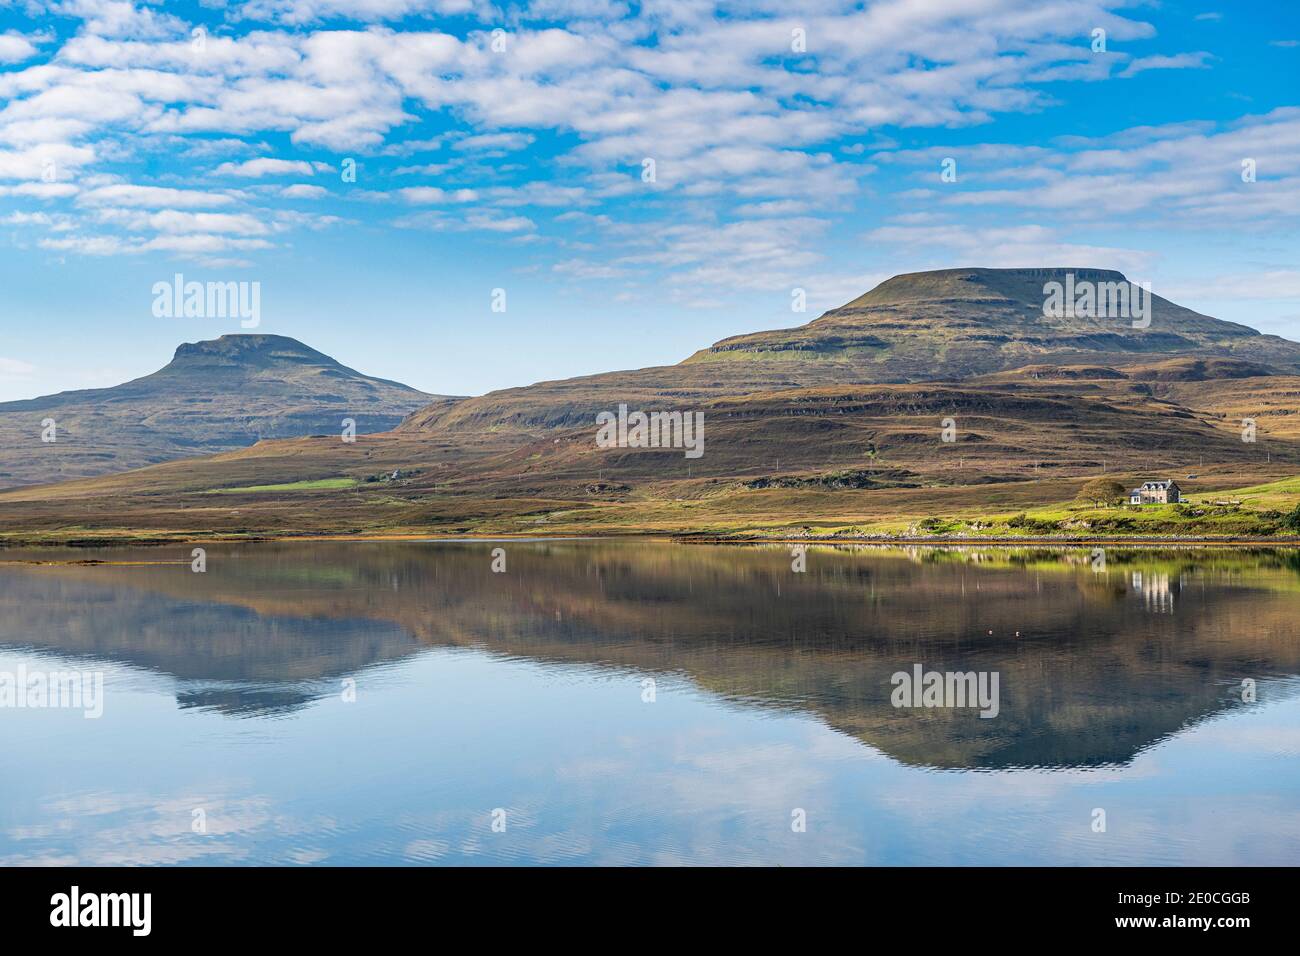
x: 311, y: 11
x: 266, y: 166
x: 126, y: 194
x: 200, y: 242
x: 495, y: 141
x: 1184, y: 174
x: 424, y: 195
x: 27, y: 219
x: 119, y: 18
x: 40, y: 190
x: 14, y: 48
x: 471, y: 222
x: 1270, y: 284
x: 1182, y: 61
x: 303, y: 191
x: 86, y: 245
x: 44, y: 163
x: 176, y: 221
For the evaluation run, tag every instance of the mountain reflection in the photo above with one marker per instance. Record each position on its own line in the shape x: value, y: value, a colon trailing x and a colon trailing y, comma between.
x: 1095, y: 665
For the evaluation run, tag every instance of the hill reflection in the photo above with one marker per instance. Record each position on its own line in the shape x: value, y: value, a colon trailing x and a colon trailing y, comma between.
x: 1095, y: 666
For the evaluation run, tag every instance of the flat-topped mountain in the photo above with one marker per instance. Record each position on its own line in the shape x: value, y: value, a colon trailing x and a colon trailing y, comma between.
x: 251, y: 353
x: 955, y: 323
x: 948, y: 325
x: 213, y: 396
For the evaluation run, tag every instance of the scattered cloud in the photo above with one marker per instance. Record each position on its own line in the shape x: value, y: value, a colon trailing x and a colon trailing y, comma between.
x: 1181, y: 61
x: 304, y: 191
x: 127, y: 194
x: 257, y: 168
x: 422, y: 195
x: 697, y: 138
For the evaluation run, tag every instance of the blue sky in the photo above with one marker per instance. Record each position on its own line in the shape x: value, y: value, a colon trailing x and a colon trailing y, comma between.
x: 502, y: 146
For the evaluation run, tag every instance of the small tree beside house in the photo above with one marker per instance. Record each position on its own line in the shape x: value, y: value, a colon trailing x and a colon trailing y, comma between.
x: 1101, y: 492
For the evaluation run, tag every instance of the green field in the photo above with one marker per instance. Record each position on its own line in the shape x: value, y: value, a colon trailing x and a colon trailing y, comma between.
x: 320, y: 484
x: 1283, y: 494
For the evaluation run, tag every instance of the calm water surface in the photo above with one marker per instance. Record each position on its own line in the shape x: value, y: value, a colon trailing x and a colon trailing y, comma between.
x: 226, y: 699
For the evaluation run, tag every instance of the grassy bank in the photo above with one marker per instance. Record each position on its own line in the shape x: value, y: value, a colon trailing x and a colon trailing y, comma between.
x: 345, y: 507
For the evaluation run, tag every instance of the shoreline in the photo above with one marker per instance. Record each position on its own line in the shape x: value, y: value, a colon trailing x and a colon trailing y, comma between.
x: 1079, y: 542
x: 149, y: 541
